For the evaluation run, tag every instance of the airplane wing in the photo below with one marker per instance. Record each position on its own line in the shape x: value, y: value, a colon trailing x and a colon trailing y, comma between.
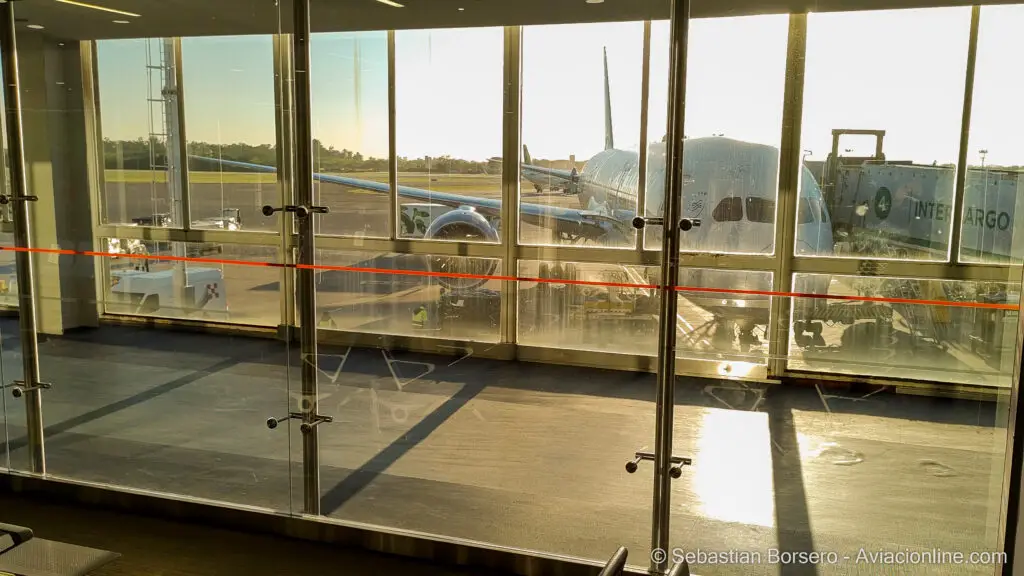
x: 571, y: 221
x: 553, y: 172
x: 569, y: 176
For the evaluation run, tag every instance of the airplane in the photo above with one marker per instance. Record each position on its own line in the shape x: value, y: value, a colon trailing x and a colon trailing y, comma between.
x: 554, y: 178
x: 542, y: 177
x: 730, y: 185
x: 550, y: 178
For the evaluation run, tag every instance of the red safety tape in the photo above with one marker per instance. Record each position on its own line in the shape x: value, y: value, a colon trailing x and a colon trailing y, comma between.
x: 501, y: 278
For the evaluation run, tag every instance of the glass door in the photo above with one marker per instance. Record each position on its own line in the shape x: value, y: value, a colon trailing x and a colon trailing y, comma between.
x: 146, y: 380
x: 842, y: 257
x: 478, y: 251
x: 732, y: 158
x: 12, y: 412
x: 298, y: 213
x: 9, y: 303
x: 19, y: 380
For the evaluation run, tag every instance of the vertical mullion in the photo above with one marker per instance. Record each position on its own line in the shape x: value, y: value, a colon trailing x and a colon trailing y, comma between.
x: 645, y: 89
x: 22, y: 239
x: 96, y: 161
x: 790, y: 170
x: 510, y: 173
x: 282, y: 101
x: 393, y: 220
x: 182, y: 140
x: 965, y: 132
x: 305, y: 281
x: 668, y: 306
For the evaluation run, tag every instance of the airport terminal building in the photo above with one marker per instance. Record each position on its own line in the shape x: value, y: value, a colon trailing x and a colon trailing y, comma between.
x: 511, y: 285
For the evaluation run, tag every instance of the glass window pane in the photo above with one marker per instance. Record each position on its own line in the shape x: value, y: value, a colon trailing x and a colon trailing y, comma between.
x: 353, y: 294
x: 736, y: 71
x: 890, y: 192
x: 140, y: 283
x: 728, y: 210
x: 581, y: 129
x: 995, y: 155
x: 349, y: 87
x: 229, y: 119
x: 805, y: 211
x: 965, y: 334
x: 131, y: 77
x: 760, y: 210
x: 8, y: 274
x: 723, y: 326
x: 449, y: 94
x: 593, y: 311
x: 613, y: 308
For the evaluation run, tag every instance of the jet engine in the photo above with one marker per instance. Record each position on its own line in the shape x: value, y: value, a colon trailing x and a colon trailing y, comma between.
x: 463, y: 224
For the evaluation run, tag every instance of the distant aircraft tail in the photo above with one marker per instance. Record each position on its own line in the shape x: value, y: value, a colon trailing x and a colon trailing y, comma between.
x: 526, y: 155
x: 609, y: 140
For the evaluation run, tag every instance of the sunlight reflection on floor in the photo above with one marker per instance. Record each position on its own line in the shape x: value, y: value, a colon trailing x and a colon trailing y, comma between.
x: 732, y: 471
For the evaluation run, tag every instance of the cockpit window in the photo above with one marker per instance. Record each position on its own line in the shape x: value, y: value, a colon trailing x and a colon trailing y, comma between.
x: 729, y: 210
x: 806, y: 213
x: 760, y: 210
x: 821, y: 210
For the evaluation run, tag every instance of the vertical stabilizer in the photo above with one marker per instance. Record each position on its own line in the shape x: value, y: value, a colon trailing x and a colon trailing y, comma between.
x: 609, y: 140
x: 526, y: 155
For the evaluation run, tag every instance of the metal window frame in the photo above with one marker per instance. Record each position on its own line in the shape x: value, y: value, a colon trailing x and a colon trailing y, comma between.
x: 284, y: 74
x: 183, y: 169
x: 19, y: 189
x: 94, y: 156
x: 641, y: 186
x: 783, y: 264
x: 953, y: 255
x: 788, y: 192
x: 510, y: 180
x: 394, y: 221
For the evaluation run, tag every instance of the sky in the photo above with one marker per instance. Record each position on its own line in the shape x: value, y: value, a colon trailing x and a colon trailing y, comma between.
x: 449, y: 86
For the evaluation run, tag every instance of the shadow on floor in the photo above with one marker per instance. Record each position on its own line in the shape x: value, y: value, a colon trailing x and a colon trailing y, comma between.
x: 151, y: 547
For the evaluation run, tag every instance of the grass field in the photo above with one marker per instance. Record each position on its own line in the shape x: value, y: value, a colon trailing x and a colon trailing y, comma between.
x: 146, y: 176
x: 436, y: 182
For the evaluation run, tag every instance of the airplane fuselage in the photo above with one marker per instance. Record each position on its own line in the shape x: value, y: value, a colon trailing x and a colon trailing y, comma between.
x: 730, y: 186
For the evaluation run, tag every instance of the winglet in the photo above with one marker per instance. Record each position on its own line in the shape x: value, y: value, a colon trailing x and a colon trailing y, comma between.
x: 609, y: 140
x: 526, y: 155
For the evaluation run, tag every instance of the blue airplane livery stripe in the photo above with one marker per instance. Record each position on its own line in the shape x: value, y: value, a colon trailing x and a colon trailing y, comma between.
x: 533, y: 213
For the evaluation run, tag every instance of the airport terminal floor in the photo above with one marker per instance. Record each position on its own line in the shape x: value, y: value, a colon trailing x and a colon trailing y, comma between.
x: 153, y: 546
x: 733, y: 286
x: 523, y: 455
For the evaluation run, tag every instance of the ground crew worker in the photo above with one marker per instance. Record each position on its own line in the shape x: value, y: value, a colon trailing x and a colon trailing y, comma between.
x: 419, y: 317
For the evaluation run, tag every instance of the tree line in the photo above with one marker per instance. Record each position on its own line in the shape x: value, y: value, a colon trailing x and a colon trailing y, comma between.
x: 142, y: 154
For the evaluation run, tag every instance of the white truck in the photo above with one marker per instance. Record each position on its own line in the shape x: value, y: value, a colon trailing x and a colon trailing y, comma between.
x: 145, y: 286
x: 144, y: 292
